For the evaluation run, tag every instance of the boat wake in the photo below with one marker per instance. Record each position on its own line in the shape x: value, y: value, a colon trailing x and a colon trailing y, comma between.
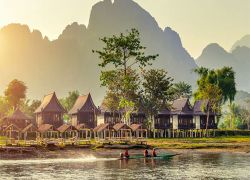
x: 55, y: 160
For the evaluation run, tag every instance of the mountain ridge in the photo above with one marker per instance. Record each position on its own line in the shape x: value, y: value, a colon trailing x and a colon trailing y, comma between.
x: 67, y: 63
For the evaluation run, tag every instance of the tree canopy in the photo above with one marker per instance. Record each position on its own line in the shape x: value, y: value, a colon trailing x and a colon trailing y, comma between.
x: 69, y: 101
x: 182, y: 90
x: 224, y: 78
x: 121, y: 58
x: 15, y: 92
x: 156, y: 90
x: 124, y: 51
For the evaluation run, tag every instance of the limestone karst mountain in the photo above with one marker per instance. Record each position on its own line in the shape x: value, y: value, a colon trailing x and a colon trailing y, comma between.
x: 244, y: 41
x: 214, y: 56
x: 68, y: 63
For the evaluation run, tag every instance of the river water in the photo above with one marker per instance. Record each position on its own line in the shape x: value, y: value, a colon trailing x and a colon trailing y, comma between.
x: 184, y: 166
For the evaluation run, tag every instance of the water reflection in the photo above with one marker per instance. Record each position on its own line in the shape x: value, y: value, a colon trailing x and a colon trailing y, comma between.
x: 186, y: 166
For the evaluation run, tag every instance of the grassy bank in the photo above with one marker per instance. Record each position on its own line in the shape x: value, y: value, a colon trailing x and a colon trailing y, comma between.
x: 227, y: 142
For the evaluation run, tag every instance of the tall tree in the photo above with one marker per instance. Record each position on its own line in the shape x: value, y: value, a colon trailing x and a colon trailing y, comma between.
x: 182, y: 89
x: 120, y: 58
x: 15, y: 92
x: 223, y: 78
x: 156, y: 91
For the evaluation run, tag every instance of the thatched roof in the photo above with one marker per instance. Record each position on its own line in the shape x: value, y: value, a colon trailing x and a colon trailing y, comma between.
x: 135, y: 127
x: 66, y: 127
x: 101, y: 127
x: 164, y: 111
x: 83, y: 104
x: 30, y: 128
x: 120, y: 126
x: 46, y: 127
x: 80, y: 126
x: 182, y: 106
x: 18, y: 115
x: 12, y: 127
x: 50, y: 103
x: 200, y: 107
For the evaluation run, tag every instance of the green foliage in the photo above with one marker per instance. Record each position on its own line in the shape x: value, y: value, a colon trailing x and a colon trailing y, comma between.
x: 124, y: 51
x: 119, y: 87
x: 69, y: 101
x: 224, y: 78
x: 182, y: 90
x: 213, y: 94
x: 236, y: 117
x: 128, y: 107
x: 29, y: 107
x: 156, y: 90
x: 4, y: 106
x: 122, y: 82
x: 15, y: 92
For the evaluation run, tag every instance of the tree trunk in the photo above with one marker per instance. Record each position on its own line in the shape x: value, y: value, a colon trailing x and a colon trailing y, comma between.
x: 207, y: 121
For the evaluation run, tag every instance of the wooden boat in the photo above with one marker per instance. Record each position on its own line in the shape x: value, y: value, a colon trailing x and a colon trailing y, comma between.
x: 159, y: 156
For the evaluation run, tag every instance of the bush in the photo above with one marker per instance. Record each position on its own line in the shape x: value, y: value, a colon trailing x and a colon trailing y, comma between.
x: 232, y: 132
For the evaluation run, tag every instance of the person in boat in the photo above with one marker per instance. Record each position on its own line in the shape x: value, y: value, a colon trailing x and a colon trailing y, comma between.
x: 126, y: 154
x: 154, y: 153
x: 121, y: 155
x: 146, y: 153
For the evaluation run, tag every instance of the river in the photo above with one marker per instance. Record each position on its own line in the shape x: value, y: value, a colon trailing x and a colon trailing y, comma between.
x: 185, y: 166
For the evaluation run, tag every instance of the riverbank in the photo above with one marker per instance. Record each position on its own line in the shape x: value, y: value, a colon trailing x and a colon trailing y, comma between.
x: 234, y: 144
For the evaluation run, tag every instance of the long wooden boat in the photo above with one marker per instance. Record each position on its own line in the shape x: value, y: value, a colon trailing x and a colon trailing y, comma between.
x: 159, y: 156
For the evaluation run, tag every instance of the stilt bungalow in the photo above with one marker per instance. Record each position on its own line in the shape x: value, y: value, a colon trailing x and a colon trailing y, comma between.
x: 47, y: 131
x: 200, y: 116
x: 122, y: 131
x: 138, y: 117
x: 163, y: 123
x: 111, y: 117
x: 138, y: 131
x: 83, y: 132
x: 84, y: 112
x: 102, y: 131
x: 18, y: 118
x: 68, y: 131
x: 50, y: 111
x: 29, y: 132
x: 182, y: 114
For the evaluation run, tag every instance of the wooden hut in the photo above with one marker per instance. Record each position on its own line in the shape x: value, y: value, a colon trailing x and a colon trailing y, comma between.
x: 103, y: 131
x: 29, y: 132
x: 18, y: 118
x: 138, y: 131
x: 12, y: 132
x: 50, y: 111
x: 83, y: 131
x: 163, y: 123
x: 182, y: 114
x: 68, y: 131
x: 47, y: 131
x: 84, y: 111
x: 122, y: 131
x: 200, y: 116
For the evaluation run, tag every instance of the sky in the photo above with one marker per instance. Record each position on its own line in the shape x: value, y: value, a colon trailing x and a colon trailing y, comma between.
x: 198, y: 22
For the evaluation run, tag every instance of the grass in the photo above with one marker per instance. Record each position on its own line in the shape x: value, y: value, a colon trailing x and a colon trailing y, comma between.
x: 2, y: 140
x: 199, y: 143
x: 226, y: 142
